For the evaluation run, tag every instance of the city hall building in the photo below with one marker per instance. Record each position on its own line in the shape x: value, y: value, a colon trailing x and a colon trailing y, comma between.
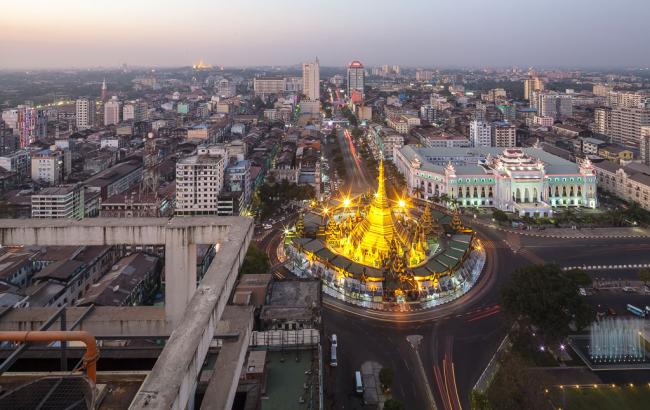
x: 527, y: 181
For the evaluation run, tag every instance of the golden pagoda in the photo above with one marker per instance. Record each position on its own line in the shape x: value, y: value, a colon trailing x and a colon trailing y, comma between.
x: 369, y: 241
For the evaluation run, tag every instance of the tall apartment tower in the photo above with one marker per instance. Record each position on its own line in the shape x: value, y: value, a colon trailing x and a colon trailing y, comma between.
x: 85, y: 113
x: 199, y: 181
x: 532, y: 85
x: 311, y: 80
x: 104, y: 91
x: 504, y: 135
x: 112, y: 111
x: 356, y: 77
x: 625, y: 125
x: 480, y: 134
x: 644, y: 144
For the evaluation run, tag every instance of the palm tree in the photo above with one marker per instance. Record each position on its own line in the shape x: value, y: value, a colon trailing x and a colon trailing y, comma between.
x: 418, y: 191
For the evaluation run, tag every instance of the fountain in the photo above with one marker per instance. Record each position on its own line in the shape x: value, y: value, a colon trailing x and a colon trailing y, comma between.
x: 617, y: 341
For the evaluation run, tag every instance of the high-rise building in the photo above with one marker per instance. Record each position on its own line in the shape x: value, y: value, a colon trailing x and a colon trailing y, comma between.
x: 311, y: 80
x: 199, y: 181
x: 112, y: 111
x: 644, y: 144
x: 104, y: 95
x: 531, y: 85
x: 551, y: 104
x: 624, y: 124
x: 504, y: 135
x: 424, y: 75
x: 356, y: 77
x: 480, y: 134
x: 602, y: 120
x: 85, y: 113
x: 32, y: 125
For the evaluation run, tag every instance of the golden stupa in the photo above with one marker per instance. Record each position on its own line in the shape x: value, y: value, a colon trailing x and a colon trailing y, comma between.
x: 383, y: 233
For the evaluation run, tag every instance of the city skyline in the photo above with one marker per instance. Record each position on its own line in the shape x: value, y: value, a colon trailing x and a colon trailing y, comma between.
x: 251, y: 33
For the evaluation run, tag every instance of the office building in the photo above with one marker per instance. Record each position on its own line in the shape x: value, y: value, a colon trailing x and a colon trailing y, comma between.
x: 480, y: 134
x: 356, y: 78
x: 85, y: 111
x: 199, y: 181
x: 112, y: 111
x: 59, y: 202
x: 311, y: 80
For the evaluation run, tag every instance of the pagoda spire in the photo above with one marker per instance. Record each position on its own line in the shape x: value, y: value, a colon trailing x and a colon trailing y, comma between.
x: 381, y: 199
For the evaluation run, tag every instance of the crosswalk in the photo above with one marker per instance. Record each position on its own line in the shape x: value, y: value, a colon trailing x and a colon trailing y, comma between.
x: 609, y: 267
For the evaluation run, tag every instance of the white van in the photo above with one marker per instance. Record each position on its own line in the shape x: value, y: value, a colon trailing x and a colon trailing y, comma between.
x: 333, y: 361
x: 358, y: 382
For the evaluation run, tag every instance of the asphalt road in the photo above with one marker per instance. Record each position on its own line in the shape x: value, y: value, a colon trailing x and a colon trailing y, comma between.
x: 357, y: 181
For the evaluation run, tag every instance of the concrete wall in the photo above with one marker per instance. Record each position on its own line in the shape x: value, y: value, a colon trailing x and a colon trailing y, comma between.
x: 102, y: 321
x: 179, y: 235
x: 172, y: 381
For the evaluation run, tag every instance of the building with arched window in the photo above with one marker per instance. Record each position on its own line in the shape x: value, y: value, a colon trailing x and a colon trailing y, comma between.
x: 528, y: 181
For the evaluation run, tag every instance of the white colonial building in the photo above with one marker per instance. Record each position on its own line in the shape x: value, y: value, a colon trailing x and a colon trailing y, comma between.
x: 528, y: 181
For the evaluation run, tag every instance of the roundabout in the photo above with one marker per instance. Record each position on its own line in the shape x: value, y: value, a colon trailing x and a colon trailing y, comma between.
x: 383, y: 254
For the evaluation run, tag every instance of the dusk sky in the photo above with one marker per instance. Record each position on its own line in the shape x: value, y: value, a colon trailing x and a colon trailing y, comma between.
x: 568, y: 33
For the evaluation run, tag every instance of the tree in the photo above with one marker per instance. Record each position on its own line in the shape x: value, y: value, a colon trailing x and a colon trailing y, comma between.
x: 393, y: 404
x: 386, y: 376
x: 517, y: 386
x: 479, y: 401
x: 499, y: 215
x: 255, y: 261
x: 580, y: 277
x: 545, y: 298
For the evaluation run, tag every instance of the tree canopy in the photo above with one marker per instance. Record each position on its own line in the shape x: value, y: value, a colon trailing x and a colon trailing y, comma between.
x: 545, y: 298
x: 255, y: 261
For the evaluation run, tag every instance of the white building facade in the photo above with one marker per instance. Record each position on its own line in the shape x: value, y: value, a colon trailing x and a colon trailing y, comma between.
x: 527, y: 181
x: 199, y: 180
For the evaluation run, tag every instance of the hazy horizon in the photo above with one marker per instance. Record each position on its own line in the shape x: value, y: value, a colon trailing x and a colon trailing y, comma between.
x: 453, y: 34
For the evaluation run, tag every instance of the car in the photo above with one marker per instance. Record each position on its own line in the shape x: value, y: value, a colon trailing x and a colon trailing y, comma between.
x: 611, y: 312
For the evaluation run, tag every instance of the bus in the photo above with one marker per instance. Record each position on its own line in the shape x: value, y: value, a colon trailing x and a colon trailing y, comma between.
x: 358, y: 382
x: 636, y: 311
x: 333, y: 361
